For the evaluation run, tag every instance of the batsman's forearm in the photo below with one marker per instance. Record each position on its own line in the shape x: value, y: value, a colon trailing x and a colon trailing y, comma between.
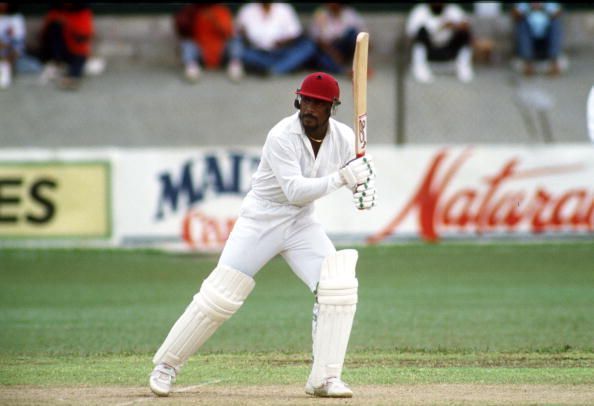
x: 300, y: 190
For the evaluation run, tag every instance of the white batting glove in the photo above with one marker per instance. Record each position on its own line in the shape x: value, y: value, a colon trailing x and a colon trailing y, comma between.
x: 365, y: 196
x: 358, y: 171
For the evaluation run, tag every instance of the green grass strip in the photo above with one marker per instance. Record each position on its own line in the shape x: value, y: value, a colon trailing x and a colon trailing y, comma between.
x: 362, y: 368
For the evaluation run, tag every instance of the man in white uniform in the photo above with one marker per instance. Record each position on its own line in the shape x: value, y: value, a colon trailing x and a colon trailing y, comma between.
x: 305, y: 157
x: 439, y: 32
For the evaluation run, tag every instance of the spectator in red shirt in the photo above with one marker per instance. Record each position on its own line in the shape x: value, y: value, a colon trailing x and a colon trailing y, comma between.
x: 66, y: 42
x: 206, y: 31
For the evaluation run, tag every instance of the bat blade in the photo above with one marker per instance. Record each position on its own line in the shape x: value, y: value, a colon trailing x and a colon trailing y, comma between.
x: 590, y: 114
x: 360, y: 93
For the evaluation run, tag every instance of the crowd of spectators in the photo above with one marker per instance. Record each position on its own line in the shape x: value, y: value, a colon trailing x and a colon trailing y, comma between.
x: 266, y: 39
x: 442, y: 32
x: 269, y: 39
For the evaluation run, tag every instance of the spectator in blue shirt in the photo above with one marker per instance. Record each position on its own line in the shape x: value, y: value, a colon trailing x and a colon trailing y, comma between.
x: 538, y: 34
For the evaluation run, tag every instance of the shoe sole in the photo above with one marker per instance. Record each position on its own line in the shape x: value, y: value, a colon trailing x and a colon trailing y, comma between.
x: 158, y: 392
x: 313, y: 392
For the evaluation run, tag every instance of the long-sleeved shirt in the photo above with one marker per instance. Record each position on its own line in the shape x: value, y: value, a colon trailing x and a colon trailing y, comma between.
x: 289, y: 174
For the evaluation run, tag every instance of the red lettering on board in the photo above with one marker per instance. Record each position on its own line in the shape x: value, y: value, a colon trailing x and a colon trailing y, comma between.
x: 487, y: 207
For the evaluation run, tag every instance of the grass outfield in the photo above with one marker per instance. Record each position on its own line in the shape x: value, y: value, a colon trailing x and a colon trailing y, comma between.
x: 449, y: 313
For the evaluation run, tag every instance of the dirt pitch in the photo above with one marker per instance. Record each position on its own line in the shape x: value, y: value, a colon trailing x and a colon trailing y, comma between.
x: 206, y: 394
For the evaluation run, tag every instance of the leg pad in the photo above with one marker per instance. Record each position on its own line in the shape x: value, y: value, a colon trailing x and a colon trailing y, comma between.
x: 220, y: 296
x: 333, y: 315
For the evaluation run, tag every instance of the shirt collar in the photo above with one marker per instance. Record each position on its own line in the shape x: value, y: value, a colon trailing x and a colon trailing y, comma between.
x: 296, y: 125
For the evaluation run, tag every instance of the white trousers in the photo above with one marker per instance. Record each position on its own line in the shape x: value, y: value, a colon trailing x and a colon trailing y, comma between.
x: 264, y: 230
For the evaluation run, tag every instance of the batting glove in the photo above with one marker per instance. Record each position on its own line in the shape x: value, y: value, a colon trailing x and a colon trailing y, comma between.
x: 358, y: 171
x: 364, y: 196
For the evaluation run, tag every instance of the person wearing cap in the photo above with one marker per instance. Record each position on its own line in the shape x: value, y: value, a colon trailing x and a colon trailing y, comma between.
x: 306, y: 156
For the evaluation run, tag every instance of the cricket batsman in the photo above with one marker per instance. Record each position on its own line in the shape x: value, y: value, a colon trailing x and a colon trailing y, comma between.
x: 305, y: 157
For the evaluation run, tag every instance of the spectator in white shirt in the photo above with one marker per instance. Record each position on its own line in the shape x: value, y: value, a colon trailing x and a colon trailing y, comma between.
x: 272, y: 38
x: 334, y: 29
x: 439, y: 32
x: 13, y: 53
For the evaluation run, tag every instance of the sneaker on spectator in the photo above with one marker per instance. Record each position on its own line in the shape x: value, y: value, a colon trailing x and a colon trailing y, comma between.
x: 422, y: 73
x: 420, y: 64
x: 50, y: 72
x: 235, y: 71
x: 95, y: 66
x: 5, y: 74
x: 192, y: 72
x: 465, y: 72
x: 464, y: 68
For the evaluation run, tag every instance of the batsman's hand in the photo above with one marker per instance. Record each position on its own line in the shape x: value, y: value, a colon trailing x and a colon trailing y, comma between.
x: 357, y: 172
x: 365, y: 196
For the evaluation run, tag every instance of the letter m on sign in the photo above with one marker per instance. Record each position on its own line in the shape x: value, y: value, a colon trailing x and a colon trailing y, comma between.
x: 172, y: 192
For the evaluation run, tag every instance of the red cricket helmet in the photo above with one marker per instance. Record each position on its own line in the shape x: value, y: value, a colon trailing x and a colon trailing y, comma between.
x: 320, y: 85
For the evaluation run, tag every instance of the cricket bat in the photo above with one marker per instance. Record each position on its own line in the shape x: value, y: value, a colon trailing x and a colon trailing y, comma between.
x: 590, y: 114
x: 360, y: 93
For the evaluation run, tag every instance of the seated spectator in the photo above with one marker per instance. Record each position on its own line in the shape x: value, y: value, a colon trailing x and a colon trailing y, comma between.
x: 12, y: 42
x: 205, y: 31
x: 13, y: 56
x: 538, y: 35
x: 334, y: 29
x: 66, y: 43
x: 439, y: 32
x: 272, y: 38
x: 487, y: 29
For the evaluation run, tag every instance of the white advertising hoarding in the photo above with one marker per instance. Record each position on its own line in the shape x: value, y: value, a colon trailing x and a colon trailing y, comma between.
x: 181, y: 197
x: 188, y: 198
x: 465, y: 191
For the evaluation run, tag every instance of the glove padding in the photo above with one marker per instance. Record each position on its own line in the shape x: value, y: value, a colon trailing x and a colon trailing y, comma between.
x: 364, y: 196
x: 358, y: 171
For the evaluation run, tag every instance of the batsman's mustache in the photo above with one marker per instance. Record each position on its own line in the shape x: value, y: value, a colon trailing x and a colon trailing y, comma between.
x: 306, y: 115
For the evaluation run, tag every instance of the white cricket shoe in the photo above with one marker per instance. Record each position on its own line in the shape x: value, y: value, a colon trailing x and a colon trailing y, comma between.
x: 162, y: 379
x: 331, y: 388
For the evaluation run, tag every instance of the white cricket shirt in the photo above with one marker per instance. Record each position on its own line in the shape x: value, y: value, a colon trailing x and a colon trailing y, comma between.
x: 264, y: 30
x: 289, y: 174
x: 421, y: 16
